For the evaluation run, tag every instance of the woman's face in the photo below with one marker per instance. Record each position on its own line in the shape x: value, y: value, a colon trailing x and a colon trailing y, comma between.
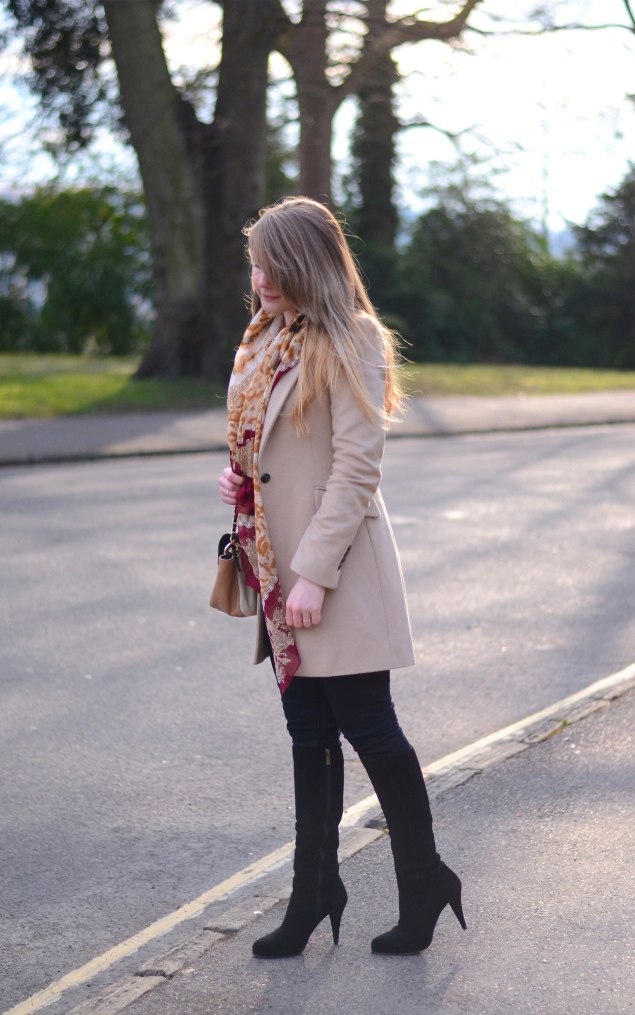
x: 273, y: 303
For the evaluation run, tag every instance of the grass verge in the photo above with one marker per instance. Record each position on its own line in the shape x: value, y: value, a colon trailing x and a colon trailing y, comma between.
x: 488, y: 380
x: 46, y: 386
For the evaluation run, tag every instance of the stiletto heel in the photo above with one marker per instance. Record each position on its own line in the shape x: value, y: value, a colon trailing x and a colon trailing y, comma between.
x: 457, y: 909
x: 336, y: 919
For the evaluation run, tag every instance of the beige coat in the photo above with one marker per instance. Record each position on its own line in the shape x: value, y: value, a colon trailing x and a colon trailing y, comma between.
x: 327, y: 521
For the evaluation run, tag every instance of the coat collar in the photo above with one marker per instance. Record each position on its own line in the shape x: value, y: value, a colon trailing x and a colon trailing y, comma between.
x: 279, y: 395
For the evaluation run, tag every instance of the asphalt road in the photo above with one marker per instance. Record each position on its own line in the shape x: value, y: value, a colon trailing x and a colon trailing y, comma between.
x: 544, y: 846
x: 144, y: 758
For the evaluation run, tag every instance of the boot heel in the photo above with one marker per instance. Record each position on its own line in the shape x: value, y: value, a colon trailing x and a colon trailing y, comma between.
x: 457, y: 909
x: 336, y: 919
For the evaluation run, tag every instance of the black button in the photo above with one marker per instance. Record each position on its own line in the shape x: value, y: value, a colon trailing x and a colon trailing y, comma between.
x: 265, y: 477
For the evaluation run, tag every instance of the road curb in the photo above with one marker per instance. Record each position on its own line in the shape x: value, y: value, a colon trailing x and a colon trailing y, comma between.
x: 441, y: 777
x: 22, y: 461
x: 108, y: 456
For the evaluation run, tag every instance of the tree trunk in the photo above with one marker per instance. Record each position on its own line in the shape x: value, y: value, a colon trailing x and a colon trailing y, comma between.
x: 374, y: 144
x: 202, y: 182
x: 152, y: 110
x: 234, y: 189
x: 373, y: 150
x: 316, y: 101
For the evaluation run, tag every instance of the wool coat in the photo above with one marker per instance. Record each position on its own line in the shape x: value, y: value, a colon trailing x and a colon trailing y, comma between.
x: 327, y: 521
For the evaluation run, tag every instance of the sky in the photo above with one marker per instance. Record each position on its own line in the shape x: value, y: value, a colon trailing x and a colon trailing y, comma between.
x: 548, y: 113
x: 554, y: 106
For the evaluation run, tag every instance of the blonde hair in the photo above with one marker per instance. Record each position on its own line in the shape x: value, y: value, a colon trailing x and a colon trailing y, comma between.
x: 300, y: 246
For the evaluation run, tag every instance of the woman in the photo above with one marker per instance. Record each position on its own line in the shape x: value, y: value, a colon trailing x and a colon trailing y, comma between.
x: 312, y: 389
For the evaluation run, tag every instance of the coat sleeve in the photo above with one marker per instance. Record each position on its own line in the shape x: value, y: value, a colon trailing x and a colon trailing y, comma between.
x: 358, y: 446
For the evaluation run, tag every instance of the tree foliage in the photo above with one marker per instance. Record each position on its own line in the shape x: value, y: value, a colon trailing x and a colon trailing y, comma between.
x: 470, y: 284
x: 604, y: 299
x: 66, y: 41
x: 474, y: 284
x: 75, y: 271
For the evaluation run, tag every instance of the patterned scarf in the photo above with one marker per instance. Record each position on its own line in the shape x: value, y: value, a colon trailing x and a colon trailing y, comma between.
x: 261, y: 360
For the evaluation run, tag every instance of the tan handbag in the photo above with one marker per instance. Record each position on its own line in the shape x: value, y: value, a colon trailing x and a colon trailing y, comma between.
x: 230, y: 593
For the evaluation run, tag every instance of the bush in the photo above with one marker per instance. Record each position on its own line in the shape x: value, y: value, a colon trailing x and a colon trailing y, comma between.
x: 75, y: 272
x: 475, y: 285
x: 603, y: 302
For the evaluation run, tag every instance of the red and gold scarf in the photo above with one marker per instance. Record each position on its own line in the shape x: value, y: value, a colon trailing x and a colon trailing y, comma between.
x: 261, y: 360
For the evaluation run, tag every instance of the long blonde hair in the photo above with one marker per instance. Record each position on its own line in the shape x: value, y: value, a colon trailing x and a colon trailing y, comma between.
x: 300, y: 246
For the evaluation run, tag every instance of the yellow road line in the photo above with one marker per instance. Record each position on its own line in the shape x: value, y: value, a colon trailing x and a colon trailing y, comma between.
x: 350, y: 817
x: 156, y: 929
x: 356, y: 811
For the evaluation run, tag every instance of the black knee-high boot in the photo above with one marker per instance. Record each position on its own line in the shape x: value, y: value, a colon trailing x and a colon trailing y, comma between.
x: 317, y: 888
x: 424, y: 882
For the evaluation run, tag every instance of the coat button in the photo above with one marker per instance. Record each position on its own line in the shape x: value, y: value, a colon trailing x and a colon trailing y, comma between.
x: 265, y: 477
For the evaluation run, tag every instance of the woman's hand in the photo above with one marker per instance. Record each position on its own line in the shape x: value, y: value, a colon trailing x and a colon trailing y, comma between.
x: 229, y: 482
x: 304, y: 605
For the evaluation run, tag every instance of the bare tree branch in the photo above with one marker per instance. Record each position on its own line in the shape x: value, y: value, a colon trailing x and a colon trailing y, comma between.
x: 548, y: 30
x: 629, y: 11
x: 456, y: 136
x: 305, y: 46
x: 410, y: 29
x: 452, y: 135
x: 397, y: 33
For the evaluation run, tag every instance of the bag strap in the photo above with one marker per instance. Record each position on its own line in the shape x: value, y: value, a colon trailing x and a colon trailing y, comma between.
x: 235, y: 542
x: 234, y: 533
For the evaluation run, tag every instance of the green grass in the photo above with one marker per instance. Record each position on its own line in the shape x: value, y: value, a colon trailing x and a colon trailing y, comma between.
x: 47, y: 386
x: 54, y: 385
x: 485, y: 379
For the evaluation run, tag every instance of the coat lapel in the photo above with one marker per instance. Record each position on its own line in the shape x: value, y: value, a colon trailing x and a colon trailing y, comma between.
x: 279, y: 395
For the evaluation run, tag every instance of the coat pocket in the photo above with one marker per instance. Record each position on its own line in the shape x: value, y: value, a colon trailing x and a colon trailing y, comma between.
x: 373, y: 508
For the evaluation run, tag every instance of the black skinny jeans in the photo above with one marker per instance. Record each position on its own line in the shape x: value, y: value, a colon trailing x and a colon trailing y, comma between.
x: 359, y: 706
